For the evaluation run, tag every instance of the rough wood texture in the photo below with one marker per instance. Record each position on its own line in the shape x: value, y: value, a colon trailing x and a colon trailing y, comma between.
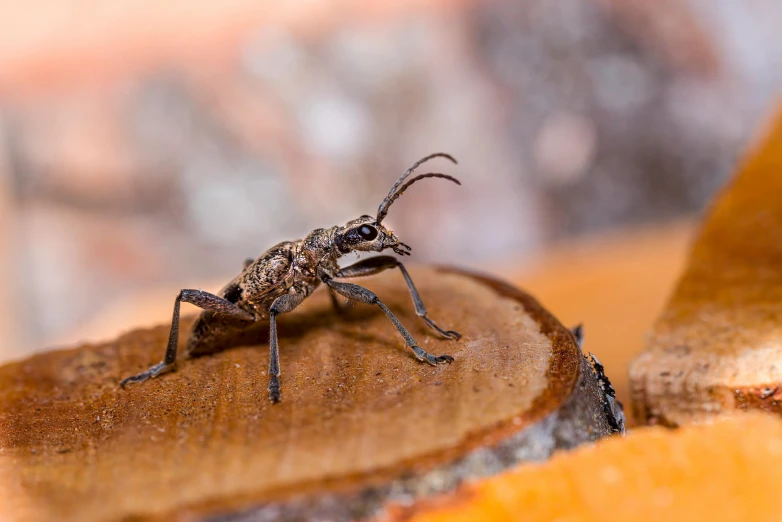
x: 718, y: 345
x: 724, y: 472
x: 361, y: 423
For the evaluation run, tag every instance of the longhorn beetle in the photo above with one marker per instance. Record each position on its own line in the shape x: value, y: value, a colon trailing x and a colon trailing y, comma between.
x: 283, y: 276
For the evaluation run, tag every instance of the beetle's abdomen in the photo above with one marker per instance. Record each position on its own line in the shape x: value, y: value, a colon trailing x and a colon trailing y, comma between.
x: 270, y: 276
x: 267, y: 277
x: 215, y: 332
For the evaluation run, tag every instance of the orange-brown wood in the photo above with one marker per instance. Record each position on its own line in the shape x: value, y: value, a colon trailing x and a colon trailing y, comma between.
x: 358, y: 409
x: 718, y: 345
x: 724, y: 472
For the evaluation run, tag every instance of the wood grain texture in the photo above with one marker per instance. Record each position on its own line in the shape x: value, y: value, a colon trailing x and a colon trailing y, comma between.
x: 723, y: 472
x: 362, y: 421
x: 718, y: 344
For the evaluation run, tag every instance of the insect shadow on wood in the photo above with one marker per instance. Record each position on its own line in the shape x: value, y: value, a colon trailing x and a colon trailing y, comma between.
x: 282, y: 277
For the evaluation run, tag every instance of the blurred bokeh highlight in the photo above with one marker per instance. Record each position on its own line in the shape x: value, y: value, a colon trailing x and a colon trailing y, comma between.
x: 150, y: 146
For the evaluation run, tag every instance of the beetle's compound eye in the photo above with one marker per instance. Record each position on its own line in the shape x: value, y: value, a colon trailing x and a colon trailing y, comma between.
x: 367, y: 232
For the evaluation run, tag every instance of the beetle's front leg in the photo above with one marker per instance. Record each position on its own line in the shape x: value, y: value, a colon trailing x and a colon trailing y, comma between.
x: 374, y: 265
x: 284, y: 303
x: 364, y: 295
x: 204, y: 300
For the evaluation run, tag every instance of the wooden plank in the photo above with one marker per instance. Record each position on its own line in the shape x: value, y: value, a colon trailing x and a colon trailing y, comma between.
x: 718, y: 345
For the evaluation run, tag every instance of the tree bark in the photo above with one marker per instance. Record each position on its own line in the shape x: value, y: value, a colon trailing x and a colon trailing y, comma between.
x: 362, y: 423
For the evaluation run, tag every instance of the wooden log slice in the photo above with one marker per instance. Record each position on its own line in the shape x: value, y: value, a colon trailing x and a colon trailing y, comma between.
x: 362, y: 422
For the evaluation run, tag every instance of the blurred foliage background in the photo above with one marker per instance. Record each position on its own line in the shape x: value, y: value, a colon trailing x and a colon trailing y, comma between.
x: 154, y: 145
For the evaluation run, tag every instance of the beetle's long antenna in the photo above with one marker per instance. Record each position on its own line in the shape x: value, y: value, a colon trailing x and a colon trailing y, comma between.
x: 390, y: 200
x: 383, y: 209
x: 416, y: 165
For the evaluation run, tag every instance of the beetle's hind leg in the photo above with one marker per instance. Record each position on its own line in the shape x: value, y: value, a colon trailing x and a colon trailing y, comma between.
x: 204, y: 300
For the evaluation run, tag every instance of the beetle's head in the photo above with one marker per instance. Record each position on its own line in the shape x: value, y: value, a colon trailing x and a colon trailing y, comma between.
x: 367, y: 234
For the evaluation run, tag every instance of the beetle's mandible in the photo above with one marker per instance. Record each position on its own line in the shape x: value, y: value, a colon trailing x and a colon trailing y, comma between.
x: 283, y: 276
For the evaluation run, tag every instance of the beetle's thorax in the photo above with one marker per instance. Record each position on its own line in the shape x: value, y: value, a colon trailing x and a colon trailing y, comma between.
x: 316, y: 251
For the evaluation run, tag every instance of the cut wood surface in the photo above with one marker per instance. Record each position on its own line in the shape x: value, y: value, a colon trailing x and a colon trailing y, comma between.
x: 718, y: 345
x: 725, y: 472
x: 362, y: 422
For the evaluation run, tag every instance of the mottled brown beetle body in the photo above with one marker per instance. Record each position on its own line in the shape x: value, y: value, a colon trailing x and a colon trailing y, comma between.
x: 283, y: 276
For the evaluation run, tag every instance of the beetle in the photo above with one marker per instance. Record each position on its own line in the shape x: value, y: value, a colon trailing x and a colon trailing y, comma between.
x: 282, y: 277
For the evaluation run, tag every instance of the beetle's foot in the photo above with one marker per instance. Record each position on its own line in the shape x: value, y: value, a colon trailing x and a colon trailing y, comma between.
x: 274, y: 389
x: 452, y: 335
x: 448, y: 334
x: 156, y: 370
x: 423, y: 355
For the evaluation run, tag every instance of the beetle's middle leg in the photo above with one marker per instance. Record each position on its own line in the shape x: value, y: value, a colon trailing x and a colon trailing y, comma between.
x: 204, y: 300
x: 284, y: 303
x: 374, y: 265
x: 363, y: 295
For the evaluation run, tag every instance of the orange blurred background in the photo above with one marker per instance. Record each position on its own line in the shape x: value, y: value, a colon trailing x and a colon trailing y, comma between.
x: 150, y: 146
